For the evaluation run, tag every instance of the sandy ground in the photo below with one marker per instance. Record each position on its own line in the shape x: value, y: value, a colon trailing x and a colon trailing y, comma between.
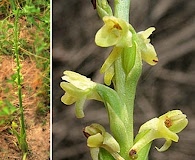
x: 37, y: 125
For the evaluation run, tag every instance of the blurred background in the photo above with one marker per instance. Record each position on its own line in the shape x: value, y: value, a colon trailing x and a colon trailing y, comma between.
x: 168, y: 85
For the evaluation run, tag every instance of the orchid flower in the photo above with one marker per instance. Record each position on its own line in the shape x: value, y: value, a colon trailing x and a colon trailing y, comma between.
x: 77, y: 89
x: 98, y: 138
x: 114, y: 32
x: 166, y: 126
x: 148, y: 52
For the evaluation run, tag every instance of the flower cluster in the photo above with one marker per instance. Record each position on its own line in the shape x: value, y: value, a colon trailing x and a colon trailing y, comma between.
x: 120, y: 34
x: 129, y: 48
x: 116, y: 32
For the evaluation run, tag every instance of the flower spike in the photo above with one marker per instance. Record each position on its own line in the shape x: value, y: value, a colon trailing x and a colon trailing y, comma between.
x: 166, y: 126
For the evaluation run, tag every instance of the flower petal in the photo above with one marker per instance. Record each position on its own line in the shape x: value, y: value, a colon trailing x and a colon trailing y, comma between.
x: 110, y: 143
x: 95, y: 140
x: 68, y: 99
x: 78, y: 80
x: 146, y: 34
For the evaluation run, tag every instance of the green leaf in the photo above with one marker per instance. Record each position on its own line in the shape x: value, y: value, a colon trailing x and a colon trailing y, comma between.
x: 7, y: 108
x: 111, y: 97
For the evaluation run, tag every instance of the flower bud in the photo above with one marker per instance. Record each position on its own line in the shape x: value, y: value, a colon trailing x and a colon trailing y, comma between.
x: 103, y: 8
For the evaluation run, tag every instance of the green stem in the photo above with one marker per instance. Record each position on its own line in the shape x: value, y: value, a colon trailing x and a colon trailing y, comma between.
x: 125, y: 84
x: 22, y: 140
x: 24, y: 156
x: 120, y: 88
x: 121, y: 9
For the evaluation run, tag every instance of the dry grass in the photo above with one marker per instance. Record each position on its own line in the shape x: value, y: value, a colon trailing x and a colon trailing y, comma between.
x: 37, y: 128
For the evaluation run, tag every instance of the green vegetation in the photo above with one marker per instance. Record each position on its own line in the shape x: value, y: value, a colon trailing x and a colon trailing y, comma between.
x: 24, y: 34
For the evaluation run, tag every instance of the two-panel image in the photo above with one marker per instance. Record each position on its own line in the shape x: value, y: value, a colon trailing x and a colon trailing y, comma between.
x: 97, y: 80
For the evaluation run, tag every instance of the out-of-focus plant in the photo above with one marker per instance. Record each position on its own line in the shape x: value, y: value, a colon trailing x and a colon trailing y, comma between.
x: 21, y: 135
x: 7, y: 109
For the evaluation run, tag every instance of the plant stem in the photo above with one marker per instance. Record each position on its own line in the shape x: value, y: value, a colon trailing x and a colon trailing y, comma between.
x: 121, y: 9
x: 24, y: 156
x: 125, y: 84
x: 22, y: 140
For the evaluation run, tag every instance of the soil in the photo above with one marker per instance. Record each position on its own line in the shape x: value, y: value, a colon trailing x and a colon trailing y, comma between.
x: 37, y: 124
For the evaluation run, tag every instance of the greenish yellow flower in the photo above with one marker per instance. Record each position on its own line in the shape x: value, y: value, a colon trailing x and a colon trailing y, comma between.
x: 97, y: 137
x: 114, y: 32
x: 166, y: 126
x: 77, y: 89
x: 148, y: 52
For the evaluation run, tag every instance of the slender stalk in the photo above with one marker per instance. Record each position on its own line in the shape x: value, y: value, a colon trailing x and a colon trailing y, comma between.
x: 22, y: 136
x: 125, y: 85
x: 121, y: 9
x: 16, y: 50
